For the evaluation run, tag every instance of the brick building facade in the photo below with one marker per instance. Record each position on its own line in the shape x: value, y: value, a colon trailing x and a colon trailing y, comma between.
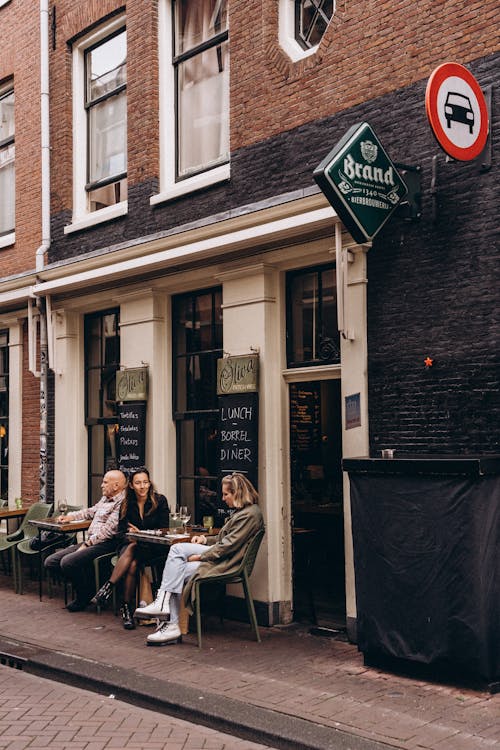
x: 252, y: 226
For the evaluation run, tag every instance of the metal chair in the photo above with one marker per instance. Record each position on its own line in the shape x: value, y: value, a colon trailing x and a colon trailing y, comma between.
x: 36, y: 512
x: 24, y: 548
x: 242, y: 576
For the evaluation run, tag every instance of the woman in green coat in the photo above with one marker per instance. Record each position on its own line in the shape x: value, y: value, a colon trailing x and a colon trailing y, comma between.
x: 189, y: 561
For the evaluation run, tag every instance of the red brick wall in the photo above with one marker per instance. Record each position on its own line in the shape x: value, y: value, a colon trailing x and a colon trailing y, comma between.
x: 370, y: 49
x: 19, y: 59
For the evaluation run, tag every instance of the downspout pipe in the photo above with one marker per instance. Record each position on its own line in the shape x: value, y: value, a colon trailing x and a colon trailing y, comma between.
x: 44, y: 247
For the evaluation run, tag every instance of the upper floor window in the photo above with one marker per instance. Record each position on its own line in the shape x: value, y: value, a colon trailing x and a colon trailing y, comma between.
x: 100, y: 125
x: 106, y: 106
x: 7, y: 162
x: 302, y: 24
x: 201, y: 64
x: 311, y: 21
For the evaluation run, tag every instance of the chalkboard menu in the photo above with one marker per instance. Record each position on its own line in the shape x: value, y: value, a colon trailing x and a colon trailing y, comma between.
x: 305, y: 404
x: 132, y: 435
x: 239, y: 434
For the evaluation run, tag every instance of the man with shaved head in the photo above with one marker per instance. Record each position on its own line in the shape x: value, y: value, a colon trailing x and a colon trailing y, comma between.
x: 76, y: 562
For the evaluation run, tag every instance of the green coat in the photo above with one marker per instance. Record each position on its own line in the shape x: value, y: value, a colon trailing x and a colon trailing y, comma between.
x: 226, y: 554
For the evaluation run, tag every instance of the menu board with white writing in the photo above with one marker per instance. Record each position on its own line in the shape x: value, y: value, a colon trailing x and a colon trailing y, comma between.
x: 132, y: 435
x: 238, y: 434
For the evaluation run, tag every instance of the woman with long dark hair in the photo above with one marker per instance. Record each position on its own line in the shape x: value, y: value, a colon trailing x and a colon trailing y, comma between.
x: 142, y: 508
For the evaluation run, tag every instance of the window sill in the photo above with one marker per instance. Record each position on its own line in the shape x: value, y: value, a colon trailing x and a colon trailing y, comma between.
x: 7, y: 239
x: 193, y: 184
x: 97, y: 217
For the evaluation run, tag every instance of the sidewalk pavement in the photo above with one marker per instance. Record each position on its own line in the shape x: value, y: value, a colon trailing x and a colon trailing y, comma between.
x: 294, y: 690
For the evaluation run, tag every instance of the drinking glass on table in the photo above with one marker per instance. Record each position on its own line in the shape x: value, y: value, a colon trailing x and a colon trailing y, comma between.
x: 185, y: 516
x: 62, y: 507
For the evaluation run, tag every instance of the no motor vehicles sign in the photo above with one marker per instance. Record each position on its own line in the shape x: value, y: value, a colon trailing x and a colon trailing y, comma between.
x: 457, y: 112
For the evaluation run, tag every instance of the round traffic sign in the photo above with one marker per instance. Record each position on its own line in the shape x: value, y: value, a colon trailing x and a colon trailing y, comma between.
x: 457, y: 111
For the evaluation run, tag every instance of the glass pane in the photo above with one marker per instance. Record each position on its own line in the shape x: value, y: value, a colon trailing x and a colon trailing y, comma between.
x: 7, y: 116
x: 93, y: 394
x: 111, y: 353
x: 7, y: 189
x: 196, y: 382
x: 197, y: 21
x: 107, y: 66
x: 312, y: 320
x: 203, y: 338
x: 108, y: 138
x: 203, y: 109
x: 107, y: 195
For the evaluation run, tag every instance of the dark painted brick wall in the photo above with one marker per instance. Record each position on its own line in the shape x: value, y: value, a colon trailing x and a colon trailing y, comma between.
x: 432, y: 284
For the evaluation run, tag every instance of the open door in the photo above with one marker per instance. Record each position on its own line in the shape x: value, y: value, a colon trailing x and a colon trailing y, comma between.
x: 317, y: 503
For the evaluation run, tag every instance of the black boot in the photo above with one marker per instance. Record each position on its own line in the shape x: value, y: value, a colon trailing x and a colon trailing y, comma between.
x: 127, y: 619
x: 104, y: 593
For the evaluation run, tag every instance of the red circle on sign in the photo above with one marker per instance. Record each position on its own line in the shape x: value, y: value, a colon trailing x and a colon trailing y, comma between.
x: 432, y: 102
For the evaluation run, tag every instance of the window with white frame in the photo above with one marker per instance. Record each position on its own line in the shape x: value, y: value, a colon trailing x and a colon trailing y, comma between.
x: 7, y: 162
x: 100, y: 125
x: 194, y: 95
x: 302, y: 24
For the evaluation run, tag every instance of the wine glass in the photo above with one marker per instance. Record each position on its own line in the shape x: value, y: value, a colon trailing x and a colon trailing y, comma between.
x: 174, y: 517
x: 185, y: 516
x: 63, y: 507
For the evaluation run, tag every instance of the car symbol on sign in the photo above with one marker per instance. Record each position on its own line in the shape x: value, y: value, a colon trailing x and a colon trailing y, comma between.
x: 457, y: 107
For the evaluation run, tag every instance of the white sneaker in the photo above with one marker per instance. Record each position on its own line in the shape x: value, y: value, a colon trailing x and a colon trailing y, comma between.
x: 160, y: 608
x: 168, y: 632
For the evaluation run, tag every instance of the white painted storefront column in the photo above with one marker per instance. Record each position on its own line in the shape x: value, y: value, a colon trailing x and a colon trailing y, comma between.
x: 70, y: 448
x: 252, y: 323
x: 144, y: 341
x: 354, y: 357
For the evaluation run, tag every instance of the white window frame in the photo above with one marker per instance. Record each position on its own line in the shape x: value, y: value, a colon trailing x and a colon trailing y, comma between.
x: 82, y: 217
x: 9, y: 239
x: 169, y: 188
x: 287, y: 33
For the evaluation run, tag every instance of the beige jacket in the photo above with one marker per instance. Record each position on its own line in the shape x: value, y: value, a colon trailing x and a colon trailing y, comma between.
x: 226, y: 554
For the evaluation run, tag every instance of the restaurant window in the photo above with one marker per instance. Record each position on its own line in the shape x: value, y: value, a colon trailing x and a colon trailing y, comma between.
x: 102, y: 360
x: 311, y: 21
x: 7, y: 162
x: 201, y: 71
x: 4, y: 416
x: 197, y: 329
x: 312, y: 335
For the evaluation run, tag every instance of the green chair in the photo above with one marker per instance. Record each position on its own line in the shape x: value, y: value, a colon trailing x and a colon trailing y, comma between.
x: 24, y: 548
x: 36, y: 512
x: 242, y: 575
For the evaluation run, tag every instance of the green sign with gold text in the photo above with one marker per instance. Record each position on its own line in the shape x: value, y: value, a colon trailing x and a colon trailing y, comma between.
x: 361, y: 182
x: 237, y: 374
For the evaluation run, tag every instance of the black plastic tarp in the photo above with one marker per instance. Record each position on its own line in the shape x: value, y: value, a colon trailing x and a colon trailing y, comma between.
x: 427, y: 560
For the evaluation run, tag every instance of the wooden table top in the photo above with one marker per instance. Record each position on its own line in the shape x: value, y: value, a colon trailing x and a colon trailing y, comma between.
x: 50, y: 524
x: 13, y: 512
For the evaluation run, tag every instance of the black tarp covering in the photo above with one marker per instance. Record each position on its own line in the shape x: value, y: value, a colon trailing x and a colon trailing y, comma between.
x: 427, y: 560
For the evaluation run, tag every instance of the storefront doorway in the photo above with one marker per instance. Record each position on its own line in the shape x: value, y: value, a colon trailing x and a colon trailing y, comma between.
x: 317, y: 503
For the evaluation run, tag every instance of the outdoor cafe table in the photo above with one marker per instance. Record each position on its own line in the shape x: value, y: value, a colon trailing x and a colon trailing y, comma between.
x: 50, y: 524
x: 8, y: 513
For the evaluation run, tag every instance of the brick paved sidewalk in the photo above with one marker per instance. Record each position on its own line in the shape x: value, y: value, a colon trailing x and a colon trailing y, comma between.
x: 293, y: 679
x: 38, y: 714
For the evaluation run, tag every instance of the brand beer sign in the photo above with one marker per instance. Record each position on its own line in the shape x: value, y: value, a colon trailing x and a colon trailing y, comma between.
x: 361, y: 182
